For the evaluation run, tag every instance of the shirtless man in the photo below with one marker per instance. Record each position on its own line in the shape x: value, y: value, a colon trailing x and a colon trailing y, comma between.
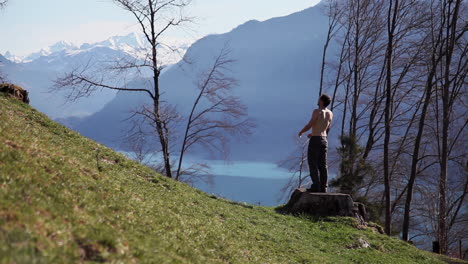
x: 318, y: 144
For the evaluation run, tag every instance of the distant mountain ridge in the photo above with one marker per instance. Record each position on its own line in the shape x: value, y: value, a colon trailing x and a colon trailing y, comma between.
x: 62, y: 45
x: 133, y: 44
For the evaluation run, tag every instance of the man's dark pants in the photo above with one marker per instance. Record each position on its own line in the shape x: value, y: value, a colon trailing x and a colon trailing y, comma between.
x: 317, y: 157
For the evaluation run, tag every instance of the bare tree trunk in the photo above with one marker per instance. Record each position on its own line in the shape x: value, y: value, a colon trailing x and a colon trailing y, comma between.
x: 452, y: 20
x: 163, y: 139
x: 338, y: 74
x: 353, y: 121
x: 324, y: 56
x: 436, y: 57
x: 345, y: 109
x: 392, y: 16
x: 443, y: 182
x: 415, y: 156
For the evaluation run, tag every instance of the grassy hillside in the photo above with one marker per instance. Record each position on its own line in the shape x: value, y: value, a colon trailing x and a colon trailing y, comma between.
x: 66, y: 199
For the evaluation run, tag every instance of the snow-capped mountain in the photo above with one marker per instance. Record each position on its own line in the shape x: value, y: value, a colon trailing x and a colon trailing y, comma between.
x: 132, y: 44
x: 137, y: 46
x: 57, y: 47
x: 12, y: 57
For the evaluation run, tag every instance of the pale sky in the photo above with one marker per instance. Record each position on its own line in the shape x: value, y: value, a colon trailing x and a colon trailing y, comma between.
x: 29, y: 25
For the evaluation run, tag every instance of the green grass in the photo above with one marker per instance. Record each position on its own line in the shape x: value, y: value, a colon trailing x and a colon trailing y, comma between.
x: 66, y: 199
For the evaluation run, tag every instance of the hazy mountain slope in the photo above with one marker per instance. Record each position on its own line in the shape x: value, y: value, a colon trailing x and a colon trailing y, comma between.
x: 66, y: 199
x: 277, y: 65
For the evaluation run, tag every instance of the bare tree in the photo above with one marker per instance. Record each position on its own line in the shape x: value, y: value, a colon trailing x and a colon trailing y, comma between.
x: 391, y: 20
x: 402, y: 55
x: 360, y: 38
x: 435, y: 42
x: 215, y: 113
x: 155, y: 17
x: 452, y: 80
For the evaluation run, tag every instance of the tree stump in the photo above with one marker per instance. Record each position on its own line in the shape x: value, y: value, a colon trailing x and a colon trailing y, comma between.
x: 325, y: 204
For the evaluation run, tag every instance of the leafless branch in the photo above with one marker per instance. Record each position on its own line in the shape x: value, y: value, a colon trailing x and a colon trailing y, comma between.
x: 215, y: 113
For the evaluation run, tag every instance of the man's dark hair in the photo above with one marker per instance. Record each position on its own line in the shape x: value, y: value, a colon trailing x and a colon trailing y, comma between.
x: 326, y: 100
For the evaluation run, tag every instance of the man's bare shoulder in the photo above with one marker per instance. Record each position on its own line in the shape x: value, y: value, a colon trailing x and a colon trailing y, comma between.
x: 316, y: 112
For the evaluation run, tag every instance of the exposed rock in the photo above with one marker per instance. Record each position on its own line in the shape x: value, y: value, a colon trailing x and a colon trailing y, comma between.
x: 325, y: 204
x: 361, y: 242
x: 15, y: 91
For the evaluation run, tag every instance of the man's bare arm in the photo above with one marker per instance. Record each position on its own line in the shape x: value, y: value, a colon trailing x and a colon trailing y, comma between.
x: 329, y: 125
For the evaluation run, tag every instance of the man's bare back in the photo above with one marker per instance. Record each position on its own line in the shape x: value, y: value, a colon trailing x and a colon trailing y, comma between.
x: 321, y: 121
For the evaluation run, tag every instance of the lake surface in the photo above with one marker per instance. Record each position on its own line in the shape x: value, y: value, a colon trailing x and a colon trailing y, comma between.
x: 257, y: 191
x: 258, y: 183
